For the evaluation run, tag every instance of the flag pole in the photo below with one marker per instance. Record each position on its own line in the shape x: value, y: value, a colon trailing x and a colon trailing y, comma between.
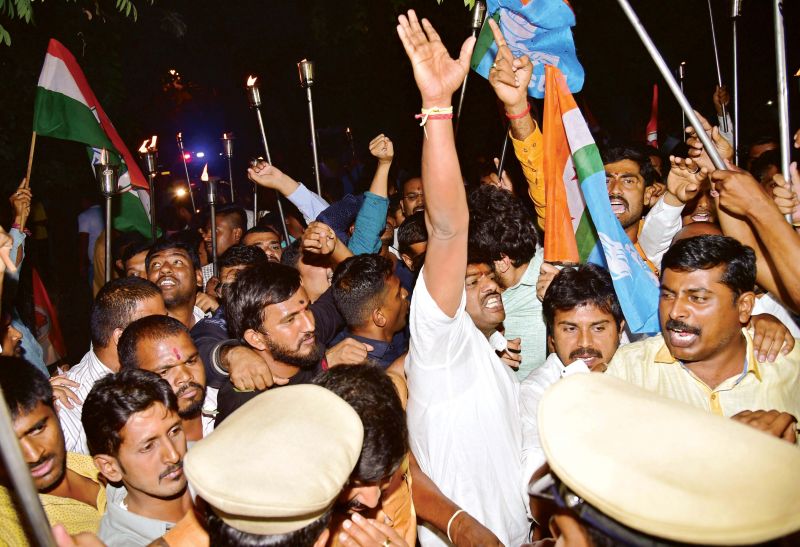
x: 735, y: 14
x: 716, y: 59
x: 711, y: 150
x: 681, y: 76
x: 478, y: 17
x: 783, y: 92
x: 30, y: 161
x: 22, y: 483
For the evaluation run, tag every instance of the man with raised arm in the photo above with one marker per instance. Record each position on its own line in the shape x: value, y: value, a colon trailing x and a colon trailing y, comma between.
x: 463, y: 420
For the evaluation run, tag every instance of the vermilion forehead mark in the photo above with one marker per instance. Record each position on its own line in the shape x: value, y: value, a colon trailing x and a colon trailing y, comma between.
x: 177, y: 354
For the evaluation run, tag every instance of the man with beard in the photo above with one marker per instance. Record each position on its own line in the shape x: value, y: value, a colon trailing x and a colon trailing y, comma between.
x: 162, y: 345
x: 118, y: 304
x: 705, y: 356
x: 231, y: 223
x: 267, y: 308
x: 137, y: 441
x: 412, y: 198
x: 585, y: 323
x: 210, y: 332
x: 266, y: 239
x: 67, y: 482
x: 175, y: 269
x: 463, y: 414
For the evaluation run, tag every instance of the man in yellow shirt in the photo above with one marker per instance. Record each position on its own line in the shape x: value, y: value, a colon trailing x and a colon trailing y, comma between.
x: 68, y: 485
x: 704, y: 356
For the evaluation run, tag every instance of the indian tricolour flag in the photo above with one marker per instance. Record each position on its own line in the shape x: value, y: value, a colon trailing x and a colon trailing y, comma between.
x: 66, y: 108
x: 579, y: 214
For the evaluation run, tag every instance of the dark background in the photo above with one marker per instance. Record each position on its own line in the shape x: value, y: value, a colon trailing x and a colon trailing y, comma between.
x: 364, y: 82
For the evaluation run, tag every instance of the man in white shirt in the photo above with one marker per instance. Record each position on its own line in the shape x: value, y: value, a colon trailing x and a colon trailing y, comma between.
x: 118, y: 303
x: 162, y: 345
x: 463, y: 416
x: 585, y: 323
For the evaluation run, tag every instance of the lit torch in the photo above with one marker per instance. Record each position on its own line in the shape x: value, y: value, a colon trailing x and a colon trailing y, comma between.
x: 306, y: 70
x: 108, y: 177
x: 149, y: 154
x: 227, y: 149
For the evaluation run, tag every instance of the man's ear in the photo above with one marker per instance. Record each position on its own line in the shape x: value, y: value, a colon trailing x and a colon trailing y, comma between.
x: 109, y: 467
x: 118, y: 264
x: 746, y: 303
x: 648, y: 194
x: 237, y: 234
x: 407, y: 260
x: 502, y: 266
x: 255, y: 339
x: 198, y: 277
x: 378, y: 318
x: 621, y: 329
x: 115, y: 336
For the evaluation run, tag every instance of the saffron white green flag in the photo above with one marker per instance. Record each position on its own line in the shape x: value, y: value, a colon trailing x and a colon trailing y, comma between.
x: 66, y: 108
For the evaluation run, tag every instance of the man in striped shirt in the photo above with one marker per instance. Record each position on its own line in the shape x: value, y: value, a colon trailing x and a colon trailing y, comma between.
x: 119, y: 303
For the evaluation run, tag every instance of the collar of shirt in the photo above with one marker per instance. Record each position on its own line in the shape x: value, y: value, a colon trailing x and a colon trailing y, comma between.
x: 119, y: 523
x: 664, y: 356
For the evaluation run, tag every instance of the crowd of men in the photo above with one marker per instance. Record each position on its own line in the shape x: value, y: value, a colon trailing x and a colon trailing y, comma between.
x: 410, y: 370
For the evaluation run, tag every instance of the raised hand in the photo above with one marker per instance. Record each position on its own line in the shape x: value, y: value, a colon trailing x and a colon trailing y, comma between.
x: 21, y: 203
x: 436, y: 73
x: 785, y: 193
x: 721, y: 98
x: 269, y: 176
x: 509, y: 75
x: 382, y: 148
x: 696, y: 150
x: 685, y: 179
x: 319, y: 238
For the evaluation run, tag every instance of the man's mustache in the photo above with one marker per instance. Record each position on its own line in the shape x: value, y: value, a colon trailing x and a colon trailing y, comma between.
x: 585, y: 352
x: 675, y: 325
x: 170, y: 469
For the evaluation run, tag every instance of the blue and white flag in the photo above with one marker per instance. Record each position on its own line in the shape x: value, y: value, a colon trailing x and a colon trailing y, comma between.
x: 540, y: 29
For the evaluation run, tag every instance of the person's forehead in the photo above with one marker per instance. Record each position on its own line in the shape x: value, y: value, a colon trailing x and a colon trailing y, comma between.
x: 297, y: 302
x: 585, y: 313
x: 257, y: 237
x: 164, y: 348
x: 476, y: 269
x: 25, y: 420
x: 170, y: 253
x: 622, y: 167
x: 709, y: 279
x: 147, y: 423
x: 412, y: 185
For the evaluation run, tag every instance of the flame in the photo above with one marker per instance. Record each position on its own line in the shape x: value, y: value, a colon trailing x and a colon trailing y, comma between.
x: 251, y: 80
x: 153, y: 142
x: 204, y: 176
x: 227, y: 136
x: 180, y: 134
x: 143, y: 148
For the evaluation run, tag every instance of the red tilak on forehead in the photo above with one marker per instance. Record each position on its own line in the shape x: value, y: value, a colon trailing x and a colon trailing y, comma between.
x: 176, y: 353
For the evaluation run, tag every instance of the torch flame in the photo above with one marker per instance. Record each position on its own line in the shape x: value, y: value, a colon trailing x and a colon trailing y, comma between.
x: 227, y: 136
x: 143, y: 148
x: 251, y: 80
x: 153, y: 142
x: 204, y: 176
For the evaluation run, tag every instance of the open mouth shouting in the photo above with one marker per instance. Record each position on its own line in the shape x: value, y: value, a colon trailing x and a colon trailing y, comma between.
x: 493, y: 302
x: 619, y: 205
x: 680, y: 334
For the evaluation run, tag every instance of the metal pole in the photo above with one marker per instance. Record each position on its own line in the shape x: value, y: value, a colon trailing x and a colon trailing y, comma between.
x: 227, y: 148
x: 255, y: 189
x: 503, y: 153
x: 151, y: 178
x: 711, y: 150
x: 313, y: 139
x: 230, y: 179
x: 737, y: 5
x: 783, y: 93
x: 19, y: 475
x: 681, y: 75
x: 186, y: 169
x: 478, y: 13
x: 716, y: 59
x: 109, y: 260
x: 212, y: 205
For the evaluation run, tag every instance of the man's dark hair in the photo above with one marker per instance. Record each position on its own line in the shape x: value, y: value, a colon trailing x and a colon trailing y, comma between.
x: 165, y: 244
x: 394, y: 203
x: 411, y: 231
x: 709, y: 251
x: 634, y: 153
x: 265, y: 229
x: 292, y: 254
x: 580, y: 286
x: 254, y: 289
x: 222, y: 534
x: 24, y: 386
x: 371, y: 393
x: 146, y: 329
x: 140, y: 244
x: 499, y: 225
x: 402, y: 181
x: 358, y: 284
x: 114, y: 399
x: 242, y: 255
x: 234, y: 214
x: 761, y: 165
x: 115, y: 304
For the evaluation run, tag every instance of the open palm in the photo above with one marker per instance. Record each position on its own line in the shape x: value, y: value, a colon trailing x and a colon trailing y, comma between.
x: 436, y: 73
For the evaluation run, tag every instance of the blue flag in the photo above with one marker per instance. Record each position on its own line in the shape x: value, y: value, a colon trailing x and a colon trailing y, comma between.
x: 540, y: 29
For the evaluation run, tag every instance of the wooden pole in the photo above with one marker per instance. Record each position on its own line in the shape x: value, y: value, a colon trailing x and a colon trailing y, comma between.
x: 30, y: 161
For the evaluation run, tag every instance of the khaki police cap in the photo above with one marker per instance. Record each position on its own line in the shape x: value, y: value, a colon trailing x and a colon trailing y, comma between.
x: 280, y: 461
x: 666, y: 468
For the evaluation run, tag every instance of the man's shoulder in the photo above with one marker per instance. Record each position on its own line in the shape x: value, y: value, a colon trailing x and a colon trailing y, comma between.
x: 82, y: 464
x: 637, y: 354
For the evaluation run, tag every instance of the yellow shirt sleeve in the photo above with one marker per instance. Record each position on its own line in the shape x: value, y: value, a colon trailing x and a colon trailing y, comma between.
x: 530, y: 153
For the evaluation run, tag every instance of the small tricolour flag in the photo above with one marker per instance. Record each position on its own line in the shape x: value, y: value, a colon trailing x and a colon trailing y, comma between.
x: 634, y: 282
x: 67, y: 108
x: 540, y: 29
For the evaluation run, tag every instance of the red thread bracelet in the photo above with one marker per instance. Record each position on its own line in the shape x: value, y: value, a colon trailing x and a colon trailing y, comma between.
x: 520, y: 115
